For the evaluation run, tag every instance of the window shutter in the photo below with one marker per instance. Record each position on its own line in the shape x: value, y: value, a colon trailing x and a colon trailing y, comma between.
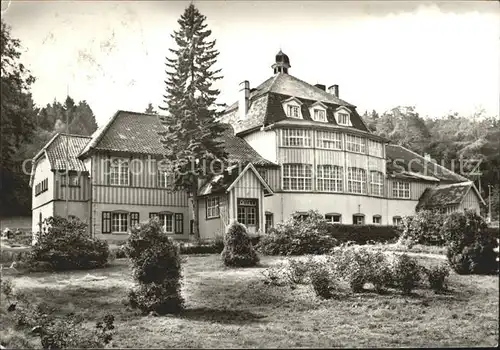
x: 179, y: 223
x: 106, y: 222
x: 107, y: 169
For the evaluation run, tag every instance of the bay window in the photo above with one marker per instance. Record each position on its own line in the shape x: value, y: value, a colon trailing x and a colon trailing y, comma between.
x: 377, y: 183
x: 296, y: 138
x: 356, y: 180
x: 328, y: 140
x: 401, y: 189
x: 329, y: 178
x: 297, y: 177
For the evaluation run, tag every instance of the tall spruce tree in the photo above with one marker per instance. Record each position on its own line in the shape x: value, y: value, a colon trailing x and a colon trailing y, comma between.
x: 192, y: 138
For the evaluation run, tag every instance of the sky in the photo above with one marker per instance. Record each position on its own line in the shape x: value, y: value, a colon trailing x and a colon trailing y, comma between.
x: 440, y: 57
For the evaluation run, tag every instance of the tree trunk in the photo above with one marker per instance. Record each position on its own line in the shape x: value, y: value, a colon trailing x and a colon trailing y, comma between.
x: 196, y: 227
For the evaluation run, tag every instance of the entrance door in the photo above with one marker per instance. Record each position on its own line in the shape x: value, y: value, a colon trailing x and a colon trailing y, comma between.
x: 248, y: 213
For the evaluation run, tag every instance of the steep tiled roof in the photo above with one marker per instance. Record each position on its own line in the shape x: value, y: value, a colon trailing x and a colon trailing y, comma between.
x: 402, y: 162
x: 265, y: 103
x: 64, y: 150
x: 444, y: 195
x: 138, y: 133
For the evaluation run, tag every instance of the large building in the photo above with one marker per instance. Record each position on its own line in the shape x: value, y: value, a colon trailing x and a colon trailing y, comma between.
x: 293, y: 147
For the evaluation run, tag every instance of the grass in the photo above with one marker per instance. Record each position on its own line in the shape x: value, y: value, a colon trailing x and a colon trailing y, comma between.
x: 233, y: 308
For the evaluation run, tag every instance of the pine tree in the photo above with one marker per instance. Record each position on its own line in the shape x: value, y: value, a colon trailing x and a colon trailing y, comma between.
x: 192, y: 137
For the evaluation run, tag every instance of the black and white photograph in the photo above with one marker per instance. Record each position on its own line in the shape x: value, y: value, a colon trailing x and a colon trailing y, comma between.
x: 249, y: 174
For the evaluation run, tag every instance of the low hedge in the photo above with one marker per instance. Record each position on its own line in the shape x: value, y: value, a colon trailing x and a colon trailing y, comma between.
x: 362, y: 234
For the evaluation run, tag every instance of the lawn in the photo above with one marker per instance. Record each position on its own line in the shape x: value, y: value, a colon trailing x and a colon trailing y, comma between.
x: 227, y: 308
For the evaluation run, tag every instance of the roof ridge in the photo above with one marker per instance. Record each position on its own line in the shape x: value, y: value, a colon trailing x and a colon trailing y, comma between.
x: 430, y: 161
x: 75, y: 135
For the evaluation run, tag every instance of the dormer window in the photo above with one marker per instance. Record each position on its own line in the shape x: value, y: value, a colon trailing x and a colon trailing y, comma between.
x: 293, y: 111
x: 292, y: 108
x: 319, y: 115
x: 343, y: 116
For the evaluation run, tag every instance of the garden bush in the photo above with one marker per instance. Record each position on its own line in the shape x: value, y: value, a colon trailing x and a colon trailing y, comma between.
x: 156, y: 267
x: 238, y: 250
x: 298, y: 237
x: 359, y: 266
x: 436, y: 276
x: 323, y: 284
x: 423, y: 228
x: 363, y: 234
x: 405, y: 273
x: 470, y: 246
x: 66, y: 245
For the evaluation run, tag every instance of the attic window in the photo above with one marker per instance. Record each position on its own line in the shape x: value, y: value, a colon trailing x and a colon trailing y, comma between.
x: 293, y: 111
x: 343, y: 118
x: 319, y: 115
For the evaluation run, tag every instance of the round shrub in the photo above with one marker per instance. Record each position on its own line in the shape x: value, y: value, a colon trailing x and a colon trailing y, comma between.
x: 66, y: 245
x: 406, y: 273
x: 156, y: 267
x: 322, y: 283
x: 299, y: 236
x: 470, y: 247
x: 437, y: 277
x: 238, y: 250
x: 423, y: 228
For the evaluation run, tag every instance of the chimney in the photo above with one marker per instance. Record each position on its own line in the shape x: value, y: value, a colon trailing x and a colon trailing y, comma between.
x: 334, y: 90
x: 321, y: 86
x: 244, y: 95
x: 427, y: 157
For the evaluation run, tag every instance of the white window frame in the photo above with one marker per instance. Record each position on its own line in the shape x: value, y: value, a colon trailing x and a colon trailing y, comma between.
x: 356, y: 217
x: 354, y: 143
x: 213, y: 207
x: 397, y: 220
x: 319, y: 115
x: 296, y: 138
x: 117, y: 222
x: 356, y: 177
x: 330, y: 218
x: 167, y: 222
x: 376, y: 183
x: 298, y: 174
x: 379, y: 219
x: 401, y: 189
x: 328, y: 140
x: 329, y: 178
x: 343, y: 116
x: 164, y: 179
x: 119, y: 172
x: 375, y: 148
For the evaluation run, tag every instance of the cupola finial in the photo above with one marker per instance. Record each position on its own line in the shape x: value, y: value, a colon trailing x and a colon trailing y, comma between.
x: 282, y: 63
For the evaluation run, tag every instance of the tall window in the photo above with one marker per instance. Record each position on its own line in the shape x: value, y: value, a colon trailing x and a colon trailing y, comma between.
x: 119, y: 173
x: 179, y: 223
x: 269, y: 221
x: 296, y: 138
x: 167, y: 222
x: 328, y: 140
x: 212, y: 207
x: 377, y: 183
x: 119, y: 222
x: 297, y: 177
x: 164, y: 179
x: 134, y: 219
x: 355, y: 144
x: 356, y: 180
x: 400, y: 189
x: 319, y: 115
x: 106, y: 222
x: 247, y: 211
x: 329, y: 178
x: 375, y: 148
x: 343, y: 118
x: 293, y: 111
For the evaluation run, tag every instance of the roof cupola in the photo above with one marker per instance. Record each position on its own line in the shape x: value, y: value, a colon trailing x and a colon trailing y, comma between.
x: 282, y: 63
